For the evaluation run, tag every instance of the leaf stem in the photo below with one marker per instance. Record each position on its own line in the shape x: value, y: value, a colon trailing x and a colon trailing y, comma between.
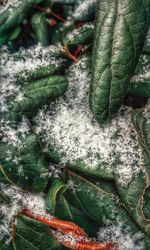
x: 58, y: 17
x: 78, y: 50
x: 67, y: 53
x: 49, y: 11
x: 79, y: 239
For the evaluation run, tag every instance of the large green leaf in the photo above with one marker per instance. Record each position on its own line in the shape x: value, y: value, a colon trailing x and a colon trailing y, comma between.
x: 135, y: 193
x: 120, y: 31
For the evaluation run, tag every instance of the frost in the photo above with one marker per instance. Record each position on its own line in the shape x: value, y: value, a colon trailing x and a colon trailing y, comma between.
x: 116, y: 233
x: 71, y: 129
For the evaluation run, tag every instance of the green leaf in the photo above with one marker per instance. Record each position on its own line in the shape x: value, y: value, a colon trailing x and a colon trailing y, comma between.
x: 36, y: 94
x: 83, y: 35
x: 51, y: 196
x: 133, y: 194
x: 4, y: 246
x: 141, y: 123
x: 33, y: 235
x: 40, y: 28
x: 40, y: 93
x: 14, y: 16
x: 60, y: 31
x: 139, y: 88
x: 140, y: 82
x: 146, y: 204
x: 39, y: 73
x: 101, y: 171
x: 26, y: 166
x: 15, y: 33
x: 26, y: 233
x: 4, y: 39
x: 119, y: 38
x: 10, y: 36
x: 97, y: 203
x: 146, y: 49
x: 58, y: 205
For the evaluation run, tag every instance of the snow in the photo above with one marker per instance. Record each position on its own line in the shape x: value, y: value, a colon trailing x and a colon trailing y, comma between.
x: 114, y: 232
x: 83, y: 8
x: 13, y: 136
x: 18, y: 201
x: 10, y: 5
x: 69, y: 238
x: 71, y: 129
x: 19, y: 63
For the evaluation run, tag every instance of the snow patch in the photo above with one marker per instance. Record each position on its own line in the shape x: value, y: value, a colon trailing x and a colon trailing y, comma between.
x: 71, y: 129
